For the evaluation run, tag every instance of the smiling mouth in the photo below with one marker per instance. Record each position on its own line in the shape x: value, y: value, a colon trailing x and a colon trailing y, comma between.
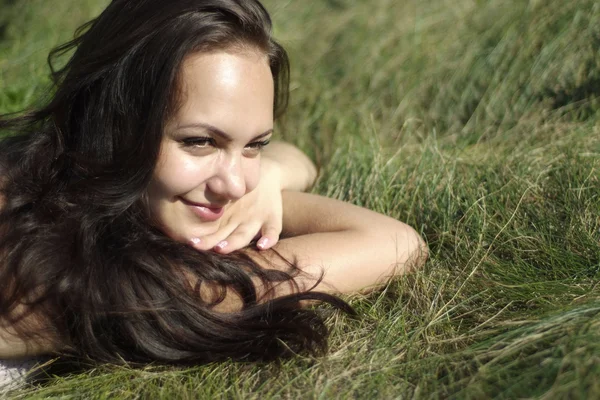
x: 206, y: 212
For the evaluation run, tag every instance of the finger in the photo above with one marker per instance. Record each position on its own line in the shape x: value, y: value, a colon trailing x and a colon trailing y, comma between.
x: 208, y: 242
x: 238, y: 239
x: 269, y: 238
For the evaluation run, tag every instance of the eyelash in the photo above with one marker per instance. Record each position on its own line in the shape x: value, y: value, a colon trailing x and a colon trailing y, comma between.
x: 260, y: 144
x: 198, y: 141
x: 204, y: 141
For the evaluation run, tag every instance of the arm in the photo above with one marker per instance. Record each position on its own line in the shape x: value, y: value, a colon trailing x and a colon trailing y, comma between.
x: 297, y: 171
x: 353, y: 247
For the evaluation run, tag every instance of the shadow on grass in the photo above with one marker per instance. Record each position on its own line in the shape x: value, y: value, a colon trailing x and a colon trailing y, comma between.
x: 5, y: 6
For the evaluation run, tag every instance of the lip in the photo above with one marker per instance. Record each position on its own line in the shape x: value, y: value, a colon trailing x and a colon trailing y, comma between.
x: 206, y: 212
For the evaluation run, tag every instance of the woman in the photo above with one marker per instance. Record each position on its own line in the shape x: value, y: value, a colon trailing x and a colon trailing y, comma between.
x: 131, y: 201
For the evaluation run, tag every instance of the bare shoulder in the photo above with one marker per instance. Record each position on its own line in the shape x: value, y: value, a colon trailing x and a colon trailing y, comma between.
x: 15, y: 344
x: 12, y: 344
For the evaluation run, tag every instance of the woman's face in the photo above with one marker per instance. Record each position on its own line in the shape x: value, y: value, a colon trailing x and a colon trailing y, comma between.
x: 210, y: 152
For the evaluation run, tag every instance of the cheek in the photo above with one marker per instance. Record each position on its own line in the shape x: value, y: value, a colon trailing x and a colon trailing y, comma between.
x: 179, y: 173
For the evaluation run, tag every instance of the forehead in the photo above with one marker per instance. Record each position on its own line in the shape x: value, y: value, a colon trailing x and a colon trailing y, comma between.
x: 245, y: 70
x: 220, y: 86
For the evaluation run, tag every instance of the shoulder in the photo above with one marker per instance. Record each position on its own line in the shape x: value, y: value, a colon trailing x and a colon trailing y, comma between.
x: 31, y: 337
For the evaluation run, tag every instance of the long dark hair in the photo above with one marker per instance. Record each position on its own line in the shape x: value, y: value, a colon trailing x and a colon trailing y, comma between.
x: 78, y: 253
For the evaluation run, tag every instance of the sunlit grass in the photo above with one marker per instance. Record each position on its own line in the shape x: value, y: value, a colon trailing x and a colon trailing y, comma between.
x: 475, y: 122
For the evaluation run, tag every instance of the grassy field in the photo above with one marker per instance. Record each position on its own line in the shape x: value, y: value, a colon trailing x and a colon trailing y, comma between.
x: 478, y: 123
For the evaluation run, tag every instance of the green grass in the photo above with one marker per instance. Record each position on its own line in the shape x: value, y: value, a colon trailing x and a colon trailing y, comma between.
x: 478, y: 123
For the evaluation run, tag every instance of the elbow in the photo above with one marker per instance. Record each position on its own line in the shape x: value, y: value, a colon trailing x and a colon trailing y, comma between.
x: 306, y: 165
x: 413, y: 252
x: 309, y: 168
x: 312, y: 173
x: 420, y: 253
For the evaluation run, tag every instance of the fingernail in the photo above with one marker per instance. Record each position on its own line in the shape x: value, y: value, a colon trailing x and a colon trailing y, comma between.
x: 222, y: 245
x: 262, y: 243
x: 195, y: 241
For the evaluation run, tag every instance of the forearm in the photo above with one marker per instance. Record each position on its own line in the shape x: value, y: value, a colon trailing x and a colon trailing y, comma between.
x: 355, y: 248
x: 297, y: 171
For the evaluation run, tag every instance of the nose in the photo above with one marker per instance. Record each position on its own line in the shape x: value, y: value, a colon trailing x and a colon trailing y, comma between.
x: 228, y: 181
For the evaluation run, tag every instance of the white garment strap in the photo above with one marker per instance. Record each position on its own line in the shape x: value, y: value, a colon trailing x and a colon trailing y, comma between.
x: 13, y: 373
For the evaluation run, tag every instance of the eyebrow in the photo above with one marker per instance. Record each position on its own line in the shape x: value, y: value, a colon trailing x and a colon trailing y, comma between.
x: 219, y: 132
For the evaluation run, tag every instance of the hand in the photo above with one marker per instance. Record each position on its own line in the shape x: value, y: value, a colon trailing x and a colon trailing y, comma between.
x: 257, y: 215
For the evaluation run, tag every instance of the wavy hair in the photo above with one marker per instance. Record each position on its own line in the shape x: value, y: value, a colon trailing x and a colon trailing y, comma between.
x: 79, y: 253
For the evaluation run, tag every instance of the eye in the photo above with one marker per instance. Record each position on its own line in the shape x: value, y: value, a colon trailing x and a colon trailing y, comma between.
x: 258, y: 145
x: 253, y: 149
x: 198, y: 142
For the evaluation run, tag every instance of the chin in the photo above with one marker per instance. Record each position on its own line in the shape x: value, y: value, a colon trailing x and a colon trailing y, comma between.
x: 184, y: 235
